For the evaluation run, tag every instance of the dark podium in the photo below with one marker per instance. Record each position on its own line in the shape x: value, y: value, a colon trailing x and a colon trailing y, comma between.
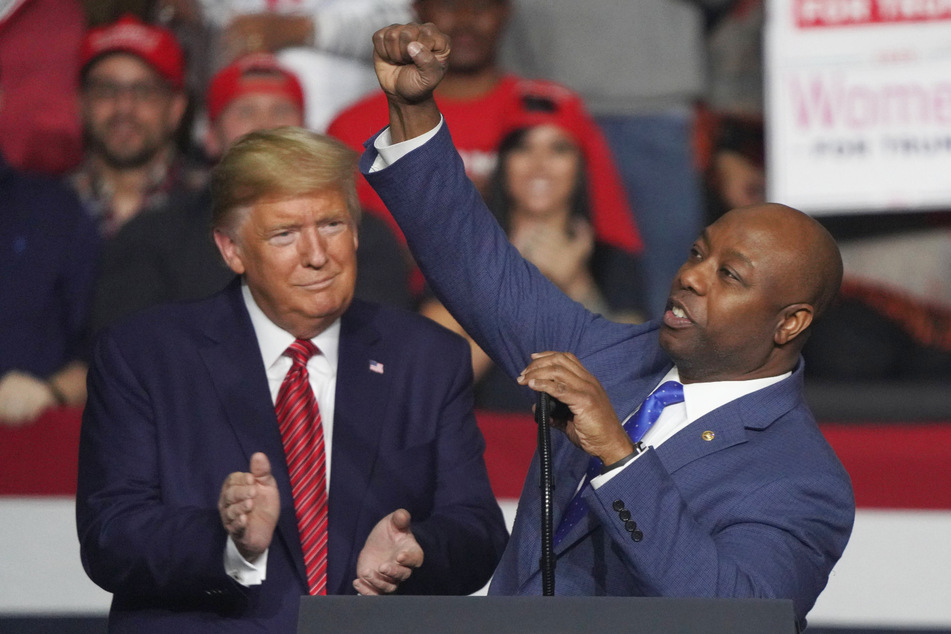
x: 548, y: 615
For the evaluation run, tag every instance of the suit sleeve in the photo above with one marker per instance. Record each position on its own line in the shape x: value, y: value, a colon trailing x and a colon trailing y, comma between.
x: 503, y: 301
x: 131, y: 541
x: 463, y: 538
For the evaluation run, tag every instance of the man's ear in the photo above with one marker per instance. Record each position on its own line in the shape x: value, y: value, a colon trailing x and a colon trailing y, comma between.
x: 795, y: 319
x: 230, y: 251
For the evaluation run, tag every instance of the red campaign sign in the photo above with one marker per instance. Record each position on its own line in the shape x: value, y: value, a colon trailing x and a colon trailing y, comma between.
x: 825, y: 13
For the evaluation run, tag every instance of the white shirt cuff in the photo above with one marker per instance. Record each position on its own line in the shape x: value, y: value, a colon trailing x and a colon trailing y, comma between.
x: 388, y: 152
x: 242, y: 570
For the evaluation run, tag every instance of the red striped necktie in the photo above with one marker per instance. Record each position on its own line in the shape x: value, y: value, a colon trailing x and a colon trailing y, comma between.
x: 303, y: 436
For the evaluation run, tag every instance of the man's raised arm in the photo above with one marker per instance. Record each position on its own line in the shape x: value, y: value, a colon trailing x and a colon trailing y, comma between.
x: 503, y: 301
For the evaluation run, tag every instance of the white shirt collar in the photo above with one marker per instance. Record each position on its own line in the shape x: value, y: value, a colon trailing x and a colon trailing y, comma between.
x: 274, y: 340
x: 702, y: 398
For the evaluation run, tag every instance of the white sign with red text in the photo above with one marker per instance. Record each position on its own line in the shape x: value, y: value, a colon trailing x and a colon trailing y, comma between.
x: 859, y: 104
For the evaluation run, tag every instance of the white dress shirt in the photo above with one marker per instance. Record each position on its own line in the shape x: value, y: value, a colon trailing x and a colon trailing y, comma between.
x: 322, y: 369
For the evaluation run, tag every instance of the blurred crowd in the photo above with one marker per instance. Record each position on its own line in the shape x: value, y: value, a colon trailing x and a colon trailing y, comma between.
x: 602, y: 160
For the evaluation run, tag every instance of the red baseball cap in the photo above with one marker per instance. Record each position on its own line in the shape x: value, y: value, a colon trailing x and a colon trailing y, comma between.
x: 154, y: 45
x: 546, y: 103
x: 254, y: 73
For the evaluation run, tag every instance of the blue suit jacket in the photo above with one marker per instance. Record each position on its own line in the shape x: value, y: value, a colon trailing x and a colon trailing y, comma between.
x: 763, y: 509
x: 178, y: 399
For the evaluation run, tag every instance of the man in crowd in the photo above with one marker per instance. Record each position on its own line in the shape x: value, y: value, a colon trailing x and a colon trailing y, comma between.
x: 481, y: 102
x: 326, y: 43
x: 48, y: 253
x: 254, y: 93
x: 221, y: 435
x: 132, y: 102
x: 719, y: 482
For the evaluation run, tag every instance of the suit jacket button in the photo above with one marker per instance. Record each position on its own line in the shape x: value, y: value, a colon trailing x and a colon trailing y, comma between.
x: 618, y: 505
x: 637, y: 535
x: 624, y: 515
x: 630, y: 526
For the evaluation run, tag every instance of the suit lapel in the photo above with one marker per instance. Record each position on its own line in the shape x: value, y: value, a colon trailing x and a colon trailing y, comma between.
x: 233, y: 361
x: 359, y: 412
x: 718, y: 430
x: 726, y: 426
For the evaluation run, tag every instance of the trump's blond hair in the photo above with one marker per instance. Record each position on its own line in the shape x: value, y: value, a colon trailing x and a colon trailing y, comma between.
x: 278, y: 164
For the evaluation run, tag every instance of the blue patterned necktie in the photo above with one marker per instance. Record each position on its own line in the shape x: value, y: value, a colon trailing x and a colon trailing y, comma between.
x: 667, y: 394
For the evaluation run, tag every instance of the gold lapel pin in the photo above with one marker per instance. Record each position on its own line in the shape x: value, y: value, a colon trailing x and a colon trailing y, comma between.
x: 707, y: 435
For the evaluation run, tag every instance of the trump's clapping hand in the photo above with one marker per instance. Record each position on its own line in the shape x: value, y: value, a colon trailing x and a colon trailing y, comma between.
x: 390, y: 555
x: 250, y: 505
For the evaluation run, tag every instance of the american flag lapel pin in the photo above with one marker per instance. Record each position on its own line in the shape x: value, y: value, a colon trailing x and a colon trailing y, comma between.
x: 376, y: 366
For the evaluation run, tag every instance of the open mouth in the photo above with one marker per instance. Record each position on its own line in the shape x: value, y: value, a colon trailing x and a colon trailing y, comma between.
x: 676, y: 316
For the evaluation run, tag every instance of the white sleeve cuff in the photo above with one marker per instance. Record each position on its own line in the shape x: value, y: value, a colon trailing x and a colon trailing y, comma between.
x: 388, y: 153
x: 243, y: 571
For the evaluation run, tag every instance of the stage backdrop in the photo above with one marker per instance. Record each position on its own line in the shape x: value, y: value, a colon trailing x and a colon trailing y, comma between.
x: 858, y: 98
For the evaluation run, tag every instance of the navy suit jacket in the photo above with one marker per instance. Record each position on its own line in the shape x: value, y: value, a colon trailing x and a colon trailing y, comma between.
x: 760, y: 507
x: 178, y: 399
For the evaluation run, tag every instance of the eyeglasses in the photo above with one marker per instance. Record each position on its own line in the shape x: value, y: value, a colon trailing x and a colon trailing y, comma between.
x: 139, y: 92
x: 471, y: 5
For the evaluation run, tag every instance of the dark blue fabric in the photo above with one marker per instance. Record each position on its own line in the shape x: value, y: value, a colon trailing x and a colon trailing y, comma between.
x: 48, y: 258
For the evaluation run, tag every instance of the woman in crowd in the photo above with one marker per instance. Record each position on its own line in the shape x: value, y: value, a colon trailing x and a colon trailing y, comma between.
x: 539, y: 194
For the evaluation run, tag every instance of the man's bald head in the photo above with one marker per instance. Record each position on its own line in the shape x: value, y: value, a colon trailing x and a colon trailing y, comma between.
x: 814, y: 271
x: 742, y: 304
